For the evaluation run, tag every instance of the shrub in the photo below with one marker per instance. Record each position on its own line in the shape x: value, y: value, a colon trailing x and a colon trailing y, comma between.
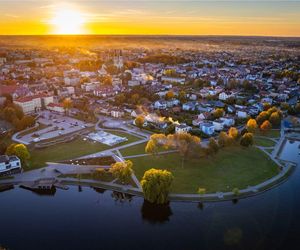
x: 201, y: 191
x: 236, y: 191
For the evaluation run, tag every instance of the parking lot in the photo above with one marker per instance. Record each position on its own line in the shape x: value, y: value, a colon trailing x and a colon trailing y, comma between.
x: 57, y: 125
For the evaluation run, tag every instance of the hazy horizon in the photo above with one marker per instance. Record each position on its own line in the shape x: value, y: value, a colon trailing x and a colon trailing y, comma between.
x: 140, y: 17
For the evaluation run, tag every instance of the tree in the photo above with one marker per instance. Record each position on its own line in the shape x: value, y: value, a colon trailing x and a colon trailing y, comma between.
x: 247, y: 140
x: 151, y: 147
x: 135, y: 98
x: 266, y: 126
x: 183, y: 142
x: 122, y: 171
x: 233, y: 133
x: 251, y: 125
x: 19, y: 150
x: 262, y: 117
x: 156, y: 185
x: 10, y: 150
x: 182, y: 96
x: 218, y: 113
x: 9, y: 114
x: 67, y: 104
x: 284, y: 106
x: 266, y: 106
x: 213, y: 145
x: 297, y: 108
x: 224, y: 139
x: 170, y: 95
x: 120, y: 99
x: 275, y: 119
x: 139, y: 121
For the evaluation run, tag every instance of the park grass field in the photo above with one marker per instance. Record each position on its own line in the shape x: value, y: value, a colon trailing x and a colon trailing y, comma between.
x: 69, y: 150
x: 273, y: 133
x: 229, y: 168
x: 264, y: 142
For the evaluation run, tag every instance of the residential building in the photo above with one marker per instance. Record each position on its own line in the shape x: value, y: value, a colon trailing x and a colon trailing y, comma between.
x: 207, y: 128
x: 9, y: 163
x: 182, y: 128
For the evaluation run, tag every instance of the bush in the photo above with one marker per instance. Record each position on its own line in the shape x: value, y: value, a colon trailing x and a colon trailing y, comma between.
x: 236, y: 191
x: 201, y: 191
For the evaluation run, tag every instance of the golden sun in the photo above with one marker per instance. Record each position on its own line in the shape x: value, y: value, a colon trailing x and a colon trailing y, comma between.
x: 68, y: 22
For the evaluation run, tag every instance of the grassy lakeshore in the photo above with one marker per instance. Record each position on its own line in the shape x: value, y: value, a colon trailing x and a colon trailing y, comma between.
x: 229, y: 168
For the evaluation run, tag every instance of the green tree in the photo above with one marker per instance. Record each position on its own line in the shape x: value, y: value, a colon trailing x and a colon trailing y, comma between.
x: 275, y: 119
x: 151, y: 147
x: 19, y: 150
x: 247, y: 140
x: 122, y: 171
x: 183, y: 142
x: 156, y: 185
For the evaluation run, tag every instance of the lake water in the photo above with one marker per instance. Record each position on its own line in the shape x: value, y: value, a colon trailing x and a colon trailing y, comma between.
x: 291, y: 151
x: 81, y: 218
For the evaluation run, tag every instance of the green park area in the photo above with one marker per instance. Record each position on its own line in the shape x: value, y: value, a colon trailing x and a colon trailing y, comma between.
x: 264, y: 142
x: 232, y: 167
x: 136, y: 150
x: 273, y: 133
x: 70, y: 150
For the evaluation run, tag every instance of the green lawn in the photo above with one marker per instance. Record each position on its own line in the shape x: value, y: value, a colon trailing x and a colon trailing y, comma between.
x: 134, y: 150
x: 230, y: 168
x: 274, y: 133
x: 263, y: 142
x: 69, y: 150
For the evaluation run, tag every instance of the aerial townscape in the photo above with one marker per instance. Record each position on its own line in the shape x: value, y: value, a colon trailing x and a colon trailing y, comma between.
x: 200, y: 121
x: 149, y: 125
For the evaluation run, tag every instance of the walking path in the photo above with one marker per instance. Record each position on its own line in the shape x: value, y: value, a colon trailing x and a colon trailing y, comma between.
x: 142, y: 155
x: 109, y: 151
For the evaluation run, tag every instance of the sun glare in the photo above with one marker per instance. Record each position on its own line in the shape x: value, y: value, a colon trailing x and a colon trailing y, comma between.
x: 68, y: 22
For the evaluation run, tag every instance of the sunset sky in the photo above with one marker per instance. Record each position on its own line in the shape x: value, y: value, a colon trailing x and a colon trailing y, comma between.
x: 182, y: 17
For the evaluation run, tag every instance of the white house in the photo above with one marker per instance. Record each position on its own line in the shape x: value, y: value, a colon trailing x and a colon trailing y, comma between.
x: 9, y: 163
x: 218, y: 124
x: 182, y: 128
x: 89, y: 86
x: 189, y: 106
x: 71, y: 81
x: 160, y: 104
x: 224, y: 96
x: 207, y: 128
x: 55, y: 107
x: 241, y: 114
x: 117, y: 113
x: 173, y: 79
x: 227, y: 121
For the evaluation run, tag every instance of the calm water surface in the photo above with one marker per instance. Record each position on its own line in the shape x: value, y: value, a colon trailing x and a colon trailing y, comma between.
x: 86, y: 219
